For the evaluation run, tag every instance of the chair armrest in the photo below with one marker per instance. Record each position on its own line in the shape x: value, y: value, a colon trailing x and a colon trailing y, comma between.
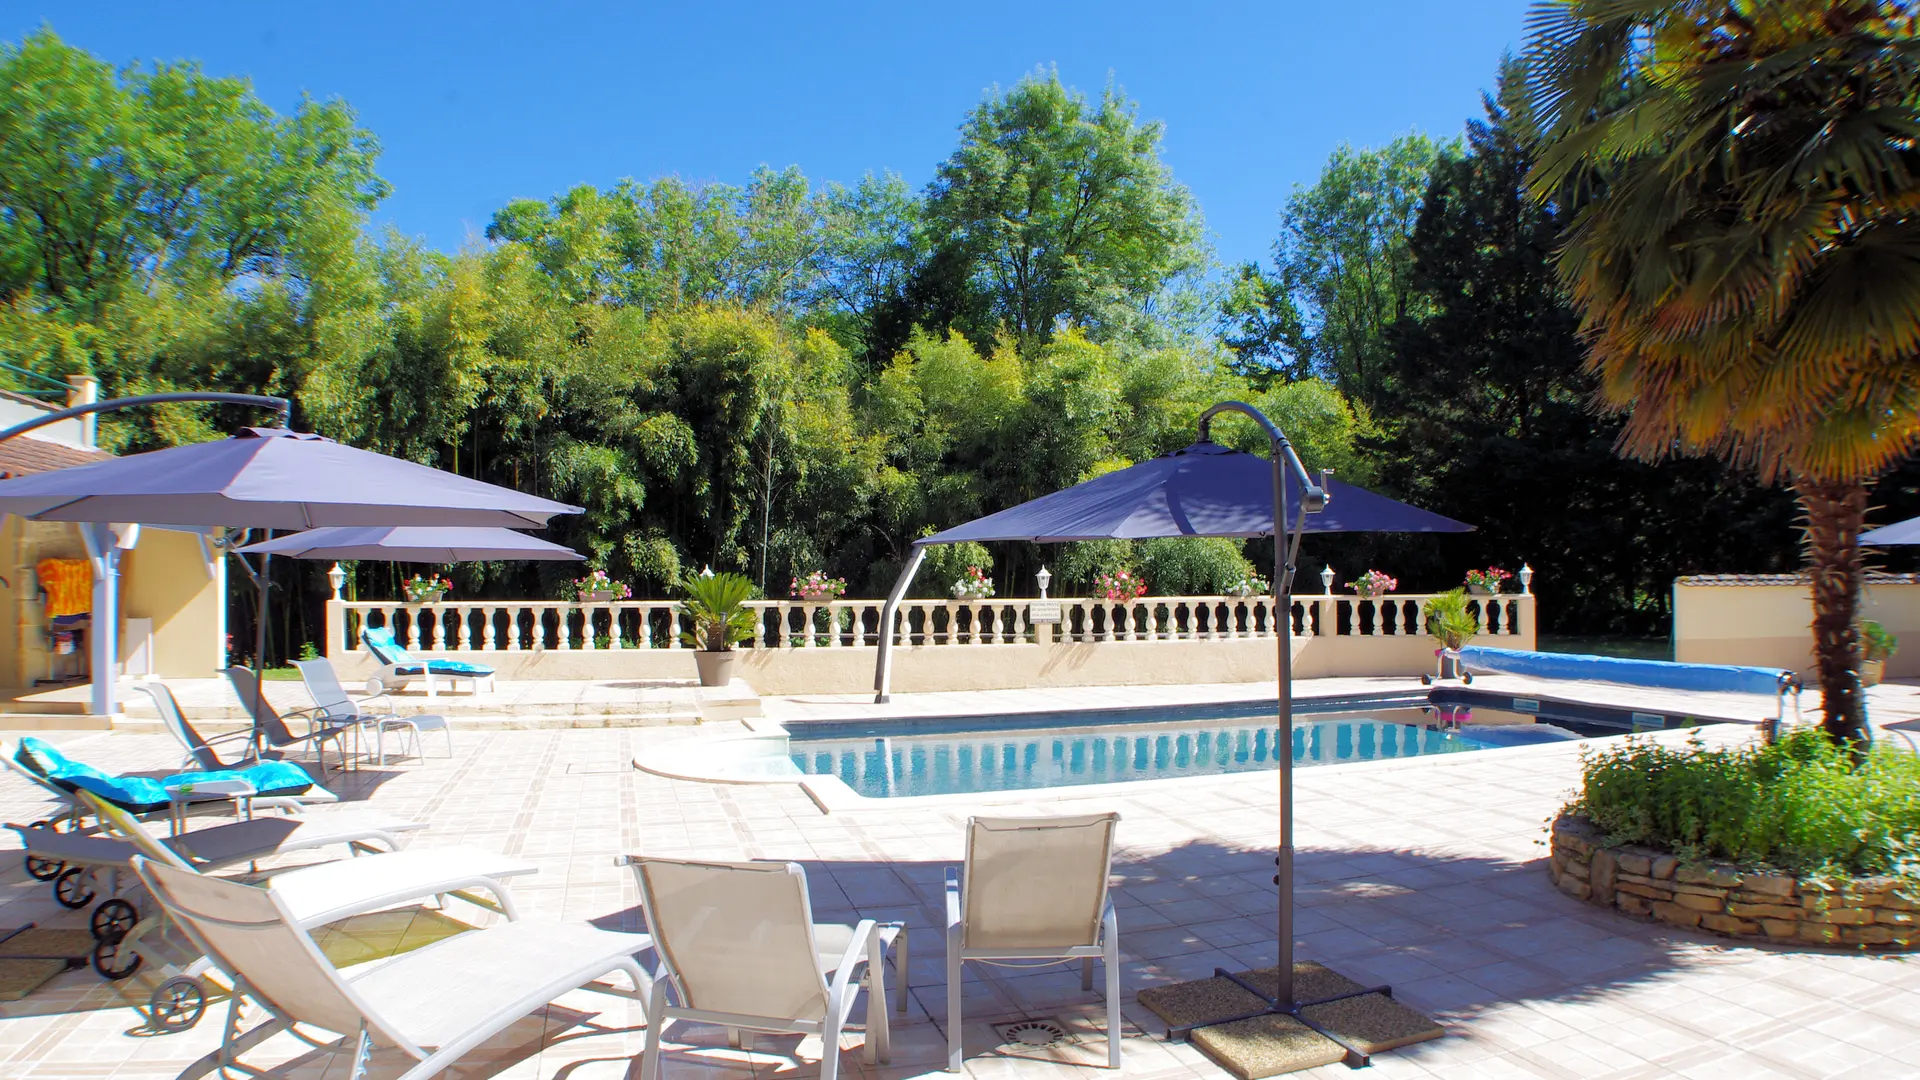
x: 362, y: 703
x: 856, y: 952
x: 953, y: 901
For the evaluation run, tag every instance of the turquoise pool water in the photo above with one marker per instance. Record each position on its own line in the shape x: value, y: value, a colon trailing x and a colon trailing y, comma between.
x: 905, y: 761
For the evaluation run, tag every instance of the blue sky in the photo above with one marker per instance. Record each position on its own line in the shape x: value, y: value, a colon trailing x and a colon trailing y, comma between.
x: 481, y: 102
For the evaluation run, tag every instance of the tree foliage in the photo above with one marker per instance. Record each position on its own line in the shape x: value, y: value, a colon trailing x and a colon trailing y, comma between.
x: 1742, y: 246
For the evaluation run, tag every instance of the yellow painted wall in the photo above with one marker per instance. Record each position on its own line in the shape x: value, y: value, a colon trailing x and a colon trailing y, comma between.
x: 1771, y: 625
x: 166, y: 578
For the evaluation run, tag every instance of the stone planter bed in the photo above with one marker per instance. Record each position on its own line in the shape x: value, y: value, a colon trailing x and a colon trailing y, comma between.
x: 1869, y: 913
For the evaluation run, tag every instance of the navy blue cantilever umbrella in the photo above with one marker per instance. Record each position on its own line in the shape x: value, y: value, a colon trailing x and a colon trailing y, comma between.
x: 1203, y: 490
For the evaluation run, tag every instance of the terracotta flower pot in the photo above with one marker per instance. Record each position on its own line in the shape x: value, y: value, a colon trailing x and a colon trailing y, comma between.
x: 716, y: 668
x: 599, y: 597
x: 1872, y: 671
x: 1479, y: 590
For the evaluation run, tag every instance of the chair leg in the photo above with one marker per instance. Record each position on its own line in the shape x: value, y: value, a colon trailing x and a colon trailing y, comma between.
x: 953, y: 1003
x: 1112, y: 960
x: 900, y: 972
x: 830, y: 1047
x: 656, y: 1019
x: 1086, y: 973
x: 879, y: 1040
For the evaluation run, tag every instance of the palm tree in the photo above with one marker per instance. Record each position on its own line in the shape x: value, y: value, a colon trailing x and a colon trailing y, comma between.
x: 1744, y: 243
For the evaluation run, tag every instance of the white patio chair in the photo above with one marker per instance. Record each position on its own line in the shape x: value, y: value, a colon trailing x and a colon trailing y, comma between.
x: 333, y: 704
x: 271, y: 725
x: 433, y: 1004
x: 1035, y: 889
x: 738, y: 944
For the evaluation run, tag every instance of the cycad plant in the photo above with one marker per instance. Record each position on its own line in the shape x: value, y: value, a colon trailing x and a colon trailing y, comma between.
x: 1449, y: 619
x: 717, y: 606
x: 1744, y: 245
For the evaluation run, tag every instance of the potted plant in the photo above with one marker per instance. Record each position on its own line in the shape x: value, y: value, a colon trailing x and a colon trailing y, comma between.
x: 1876, y: 644
x: 1120, y: 587
x: 599, y: 588
x: 427, y: 590
x: 721, y: 619
x: 1451, y: 623
x: 818, y: 588
x: 973, y: 585
x: 1373, y: 583
x: 1486, y: 582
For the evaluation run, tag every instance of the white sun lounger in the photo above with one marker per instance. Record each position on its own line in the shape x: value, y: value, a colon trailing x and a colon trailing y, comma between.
x: 738, y: 944
x: 434, y: 1004
x: 1035, y: 889
x: 315, y: 894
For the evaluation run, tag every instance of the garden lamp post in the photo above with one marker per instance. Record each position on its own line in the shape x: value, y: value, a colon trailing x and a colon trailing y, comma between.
x: 337, y: 578
x: 1526, y: 580
x: 1044, y: 579
x: 1326, y: 580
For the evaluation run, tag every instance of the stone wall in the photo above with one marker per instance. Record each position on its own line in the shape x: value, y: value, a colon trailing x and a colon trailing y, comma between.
x: 1868, y: 913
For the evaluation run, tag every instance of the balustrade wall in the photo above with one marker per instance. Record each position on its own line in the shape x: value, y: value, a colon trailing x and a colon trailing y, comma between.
x: 491, y: 626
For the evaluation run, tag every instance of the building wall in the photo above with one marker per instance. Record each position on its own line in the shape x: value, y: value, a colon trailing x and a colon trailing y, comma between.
x: 167, y: 577
x: 1768, y: 621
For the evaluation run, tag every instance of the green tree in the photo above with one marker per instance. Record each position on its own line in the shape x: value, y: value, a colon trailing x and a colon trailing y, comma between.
x: 1061, y: 209
x: 1742, y: 249
x: 134, y: 205
x: 1492, y: 422
x: 1342, y: 273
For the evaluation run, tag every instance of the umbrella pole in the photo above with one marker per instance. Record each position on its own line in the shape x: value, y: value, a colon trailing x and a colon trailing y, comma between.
x: 1283, y: 635
x: 260, y: 644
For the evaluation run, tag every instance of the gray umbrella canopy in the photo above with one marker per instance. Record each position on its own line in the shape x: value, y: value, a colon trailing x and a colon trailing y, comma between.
x: 271, y: 478
x: 421, y: 544
x: 261, y: 478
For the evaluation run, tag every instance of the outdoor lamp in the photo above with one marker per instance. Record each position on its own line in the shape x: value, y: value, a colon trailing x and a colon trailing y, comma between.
x: 1044, y: 579
x: 706, y: 571
x: 1326, y: 580
x: 1526, y: 579
x: 337, y: 578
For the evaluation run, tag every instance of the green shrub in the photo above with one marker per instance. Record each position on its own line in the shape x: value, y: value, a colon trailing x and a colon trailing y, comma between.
x: 1798, y: 805
x: 1193, y: 565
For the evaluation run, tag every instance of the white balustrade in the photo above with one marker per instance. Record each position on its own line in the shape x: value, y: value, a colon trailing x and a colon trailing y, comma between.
x: 527, y: 625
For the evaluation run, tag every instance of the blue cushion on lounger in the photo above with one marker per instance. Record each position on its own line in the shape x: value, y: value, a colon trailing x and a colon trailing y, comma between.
x: 379, y: 641
x: 141, y: 794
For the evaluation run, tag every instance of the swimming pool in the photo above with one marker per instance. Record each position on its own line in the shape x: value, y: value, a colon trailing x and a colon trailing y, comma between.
x: 982, y: 754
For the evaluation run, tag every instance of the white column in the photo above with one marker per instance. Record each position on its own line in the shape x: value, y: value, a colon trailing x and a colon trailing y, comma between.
x: 103, y: 637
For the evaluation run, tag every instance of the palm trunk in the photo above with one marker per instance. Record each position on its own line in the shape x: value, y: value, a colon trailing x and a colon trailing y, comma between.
x: 1835, y: 513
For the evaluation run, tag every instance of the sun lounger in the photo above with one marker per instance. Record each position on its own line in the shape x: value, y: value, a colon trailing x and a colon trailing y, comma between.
x: 1035, y: 889
x: 333, y: 704
x: 434, y: 1004
x: 739, y: 947
x: 129, y: 938
x: 398, y: 667
x: 62, y: 778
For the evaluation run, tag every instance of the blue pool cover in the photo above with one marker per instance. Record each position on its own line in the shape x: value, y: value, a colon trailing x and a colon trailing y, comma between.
x: 1661, y: 674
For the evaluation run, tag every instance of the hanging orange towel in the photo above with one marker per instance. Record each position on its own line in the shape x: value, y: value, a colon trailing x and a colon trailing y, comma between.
x: 69, y: 586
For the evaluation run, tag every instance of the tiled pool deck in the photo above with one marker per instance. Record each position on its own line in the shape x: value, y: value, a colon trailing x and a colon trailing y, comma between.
x: 1425, y: 873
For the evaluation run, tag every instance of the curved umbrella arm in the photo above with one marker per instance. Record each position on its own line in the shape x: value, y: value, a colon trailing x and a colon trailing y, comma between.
x: 278, y: 404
